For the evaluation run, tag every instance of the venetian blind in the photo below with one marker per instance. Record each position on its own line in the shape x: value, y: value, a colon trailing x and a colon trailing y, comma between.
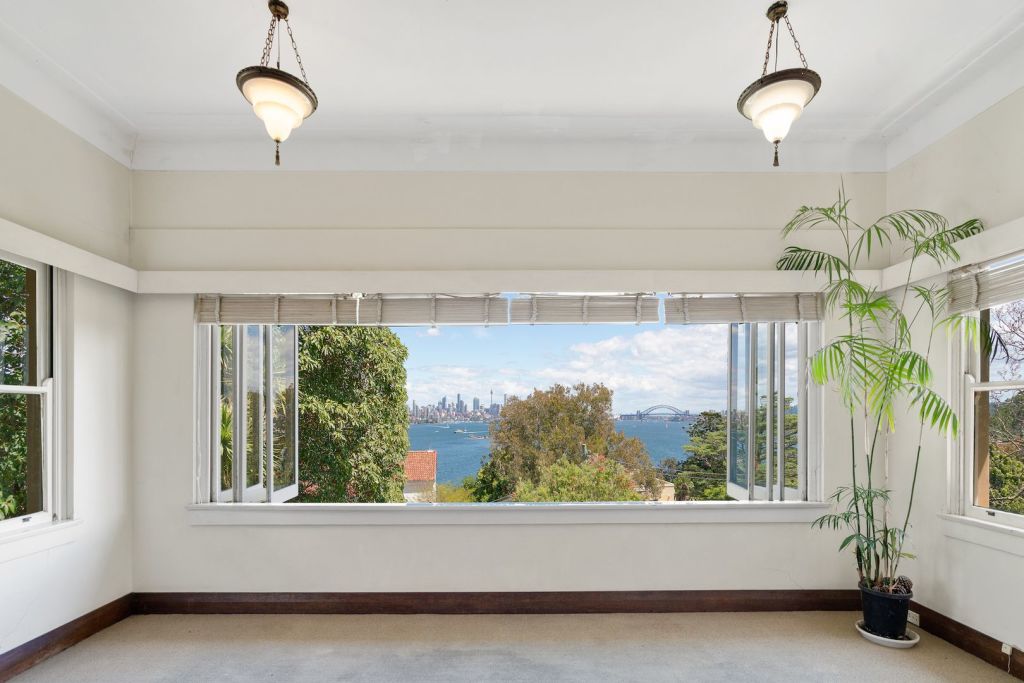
x: 617, y: 308
x: 977, y: 289
x: 742, y: 308
x: 386, y: 310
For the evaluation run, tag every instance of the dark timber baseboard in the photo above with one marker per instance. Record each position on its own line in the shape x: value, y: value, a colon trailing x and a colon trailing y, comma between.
x: 970, y: 640
x: 544, y: 602
x: 555, y: 602
x: 61, y: 638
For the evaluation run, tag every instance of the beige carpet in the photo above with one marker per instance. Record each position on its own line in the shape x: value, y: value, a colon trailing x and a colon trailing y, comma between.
x: 808, y: 646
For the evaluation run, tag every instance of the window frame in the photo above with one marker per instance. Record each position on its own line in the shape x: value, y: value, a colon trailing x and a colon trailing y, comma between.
x: 969, y: 388
x: 50, y: 295
x: 207, y: 381
x: 808, y: 335
x: 208, y: 415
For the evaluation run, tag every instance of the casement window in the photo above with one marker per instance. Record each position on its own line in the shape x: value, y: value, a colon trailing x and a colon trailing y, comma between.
x: 30, y: 476
x: 988, y: 482
x: 250, y: 447
x: 248, y: 414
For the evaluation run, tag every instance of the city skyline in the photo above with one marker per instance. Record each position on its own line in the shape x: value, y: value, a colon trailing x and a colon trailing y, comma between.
x: 683, y: 366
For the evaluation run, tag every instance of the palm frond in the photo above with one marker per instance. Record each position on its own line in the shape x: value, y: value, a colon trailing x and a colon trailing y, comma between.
x: 940, y: 245
x: 933, y: 409
x: 801, y: 258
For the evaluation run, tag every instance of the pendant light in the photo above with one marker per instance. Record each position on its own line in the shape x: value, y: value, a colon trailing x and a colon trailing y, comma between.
x: 777, y: 99
x: 281, y: 100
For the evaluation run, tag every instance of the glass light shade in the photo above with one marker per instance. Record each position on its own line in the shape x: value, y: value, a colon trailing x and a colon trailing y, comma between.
x: 279, y: 99
x: 775, y: 101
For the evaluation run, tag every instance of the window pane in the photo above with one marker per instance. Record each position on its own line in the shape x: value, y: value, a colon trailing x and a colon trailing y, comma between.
x: 21, y: 459
x: 738, y: 397
x: 227, y: 399
x: 762, y: 395
x: 792, y: 408
x: 999, y: 450
x: 1007, y: 321
x: 283, y: 345
x: 254, y: 417
x: 17, y: 323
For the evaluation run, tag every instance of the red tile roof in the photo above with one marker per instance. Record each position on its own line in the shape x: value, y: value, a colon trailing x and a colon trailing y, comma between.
x: 421, y: 466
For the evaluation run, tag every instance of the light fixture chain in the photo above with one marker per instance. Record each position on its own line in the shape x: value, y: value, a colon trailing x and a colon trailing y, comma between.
x: 295, y: 48
x: 796, y: 43
x: 768, y: 50
x: 268, y: 46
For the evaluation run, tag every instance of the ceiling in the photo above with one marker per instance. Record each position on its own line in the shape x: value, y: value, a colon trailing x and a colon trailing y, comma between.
x: 510, y: 84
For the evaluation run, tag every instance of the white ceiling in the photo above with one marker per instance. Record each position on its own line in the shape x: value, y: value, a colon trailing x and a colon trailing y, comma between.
x: 510, y: 84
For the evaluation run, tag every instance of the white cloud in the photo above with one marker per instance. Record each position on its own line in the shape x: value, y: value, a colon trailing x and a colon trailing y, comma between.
x: 683, y: 366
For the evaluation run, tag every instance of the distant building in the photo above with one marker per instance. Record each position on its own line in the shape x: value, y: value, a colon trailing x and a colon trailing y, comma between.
x: 420, y: 477
x: 476, y: 404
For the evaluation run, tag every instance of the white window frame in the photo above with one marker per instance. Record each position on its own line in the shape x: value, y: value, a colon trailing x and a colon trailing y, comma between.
x: 965, y: 367
x: 51, y: 361
x: 808, y: 421
x: 807, y: 497
x: 208, y: 411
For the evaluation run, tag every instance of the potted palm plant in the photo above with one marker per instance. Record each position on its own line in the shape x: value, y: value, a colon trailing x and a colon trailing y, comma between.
x: 878, y: 362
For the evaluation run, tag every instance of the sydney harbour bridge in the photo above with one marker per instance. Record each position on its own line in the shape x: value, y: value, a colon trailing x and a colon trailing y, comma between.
x: 659, y: 412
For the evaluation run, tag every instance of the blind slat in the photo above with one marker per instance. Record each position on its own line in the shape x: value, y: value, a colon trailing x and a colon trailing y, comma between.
x: 374, y: 310
x: 975, y: 290
x: 681, y: 310
x: 554, y: 309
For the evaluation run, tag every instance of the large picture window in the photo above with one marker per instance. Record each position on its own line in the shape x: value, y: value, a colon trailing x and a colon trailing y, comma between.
x: 525, y: 398
x: 26, y: 395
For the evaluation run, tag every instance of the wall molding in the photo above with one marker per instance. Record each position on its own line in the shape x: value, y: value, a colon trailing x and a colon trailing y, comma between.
x: 61, y: 638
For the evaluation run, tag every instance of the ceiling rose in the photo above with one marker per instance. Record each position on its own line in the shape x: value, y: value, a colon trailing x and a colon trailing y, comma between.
x: 282, y: 101
x: 777, y: 99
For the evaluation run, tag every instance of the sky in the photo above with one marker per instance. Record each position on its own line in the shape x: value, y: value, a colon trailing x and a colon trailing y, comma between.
x: 680, y: 365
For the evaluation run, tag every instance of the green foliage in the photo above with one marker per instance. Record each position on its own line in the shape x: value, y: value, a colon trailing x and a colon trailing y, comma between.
x: 566, y: 481
x: 1006, y: 454
x: 353, y: 422
x: 14, y: 358
x: 702, y: 475
x: 450, y: 493
x: 561, y: 423
x: 875, y: 365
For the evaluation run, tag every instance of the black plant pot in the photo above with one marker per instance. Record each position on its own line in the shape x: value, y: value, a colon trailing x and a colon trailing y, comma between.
x: 885, y: 614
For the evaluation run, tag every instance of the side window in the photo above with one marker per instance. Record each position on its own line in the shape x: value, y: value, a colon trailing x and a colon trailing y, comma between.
x: 25, y: 395
x: 996, y: 476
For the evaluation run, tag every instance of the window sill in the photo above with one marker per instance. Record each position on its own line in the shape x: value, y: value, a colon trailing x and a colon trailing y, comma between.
x: 407, y: 514
x: 1007, y: 539
x: 37, y: 539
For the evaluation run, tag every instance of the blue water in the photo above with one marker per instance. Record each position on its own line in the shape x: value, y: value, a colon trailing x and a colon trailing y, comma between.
x: 459, y: 454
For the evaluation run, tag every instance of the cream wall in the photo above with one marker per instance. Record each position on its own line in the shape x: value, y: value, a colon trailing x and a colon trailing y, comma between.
x: 54, y: 182
x: 50, y: 579
x: 172, y: 555
x: 975, y: 171
x: 477, y: 221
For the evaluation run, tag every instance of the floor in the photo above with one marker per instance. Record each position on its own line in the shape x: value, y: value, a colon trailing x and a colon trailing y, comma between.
x: 807, y: 646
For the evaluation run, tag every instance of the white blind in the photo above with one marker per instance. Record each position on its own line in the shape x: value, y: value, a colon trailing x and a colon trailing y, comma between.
x: 742, y: 308
x: 998, y: 283
x: 439, y: 309
x: 545, y: 309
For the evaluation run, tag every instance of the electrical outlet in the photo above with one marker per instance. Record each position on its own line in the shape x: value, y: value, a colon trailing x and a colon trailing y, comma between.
x: 1007, y: 649
x: 914, y: 618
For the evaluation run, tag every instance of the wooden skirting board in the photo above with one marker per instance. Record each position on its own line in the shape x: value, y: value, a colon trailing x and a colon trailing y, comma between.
x: 555, y: 602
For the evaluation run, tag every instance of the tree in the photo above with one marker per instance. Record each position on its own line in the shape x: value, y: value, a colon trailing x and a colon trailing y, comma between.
x: 14, y: 410
x: 561, y: 423
x: 565, y: 481
x: 353, y: 423
x: 702, y: 476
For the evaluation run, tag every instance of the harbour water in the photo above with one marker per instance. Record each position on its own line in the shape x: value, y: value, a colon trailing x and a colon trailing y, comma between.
x: 462, y: 446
